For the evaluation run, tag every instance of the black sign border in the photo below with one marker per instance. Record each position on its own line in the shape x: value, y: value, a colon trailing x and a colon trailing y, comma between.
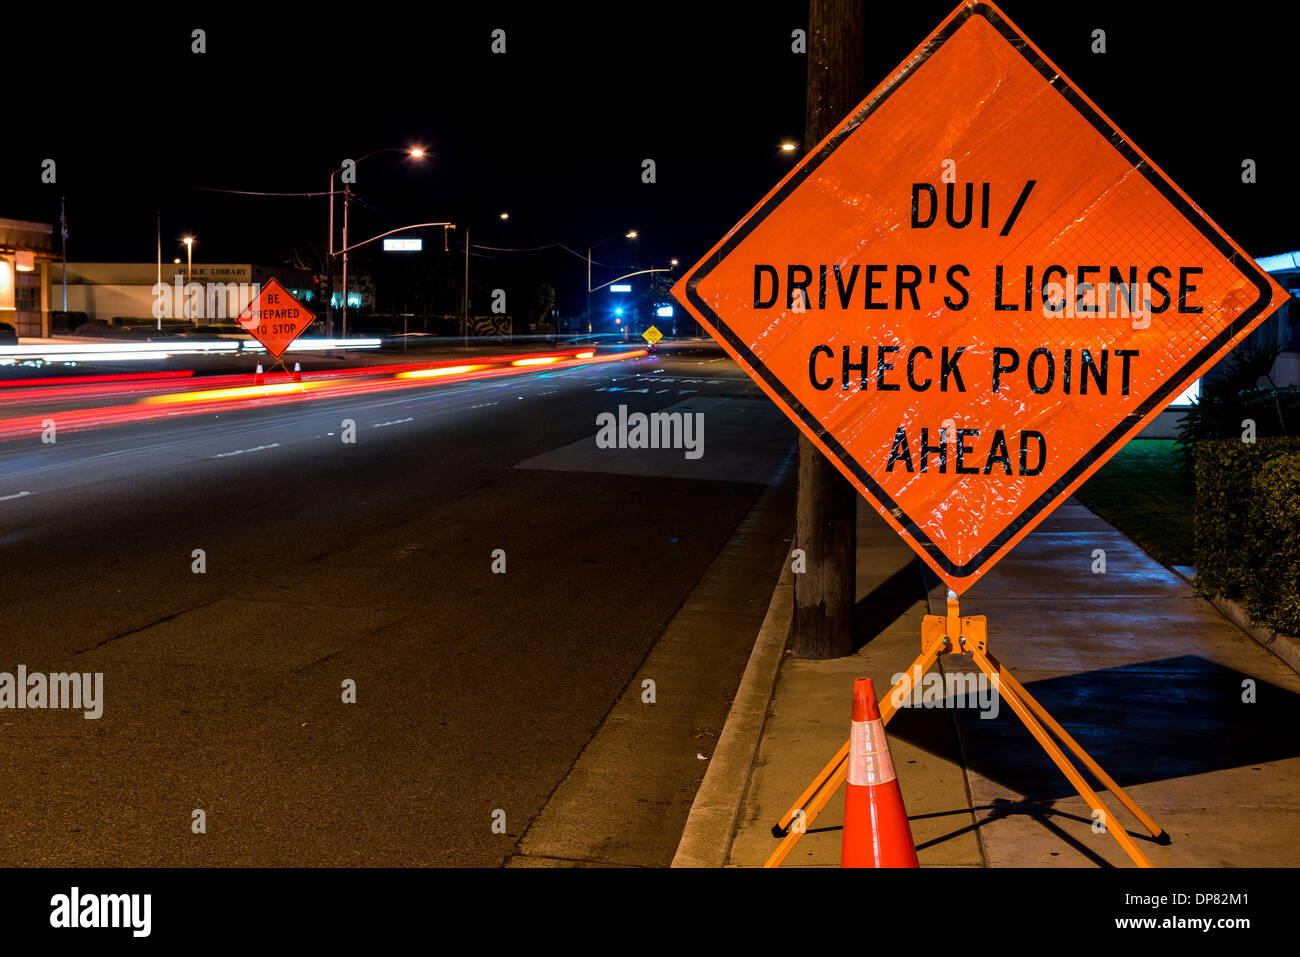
x: 262, y: 289
x: 1126, y: 149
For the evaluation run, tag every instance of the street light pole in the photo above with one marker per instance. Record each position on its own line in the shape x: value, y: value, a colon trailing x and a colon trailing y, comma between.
x: 465, y: 332
x: 329, y: 261
x: 159, y: 280
x: 415, y: 153
x: 189, y: 267
x: 63, y: 231
x: 347, y: 190
x: 630, y: 234
x: 465, y: 326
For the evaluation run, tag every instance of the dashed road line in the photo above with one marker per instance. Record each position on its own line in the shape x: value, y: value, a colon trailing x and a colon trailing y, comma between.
x: 259, y: 448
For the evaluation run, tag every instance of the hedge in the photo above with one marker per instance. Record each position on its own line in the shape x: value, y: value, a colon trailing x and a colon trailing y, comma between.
x: 63, y: 323
x: 1274, y: 411
x: 148, y: 322
x: 1248, y: 527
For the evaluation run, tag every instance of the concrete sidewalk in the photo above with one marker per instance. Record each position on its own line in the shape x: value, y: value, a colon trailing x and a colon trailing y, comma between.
x: 1194, y: 719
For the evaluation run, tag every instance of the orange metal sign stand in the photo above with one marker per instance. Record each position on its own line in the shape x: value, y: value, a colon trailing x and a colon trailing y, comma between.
x: 954, y: 634
x: 968, y: 297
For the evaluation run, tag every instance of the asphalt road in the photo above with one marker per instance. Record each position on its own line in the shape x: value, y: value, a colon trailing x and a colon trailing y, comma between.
x: 370, y: 562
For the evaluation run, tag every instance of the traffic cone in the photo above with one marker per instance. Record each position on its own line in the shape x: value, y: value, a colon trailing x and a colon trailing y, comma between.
x: 297, y: 372
x: 257, y: 376
x: 876, y: 833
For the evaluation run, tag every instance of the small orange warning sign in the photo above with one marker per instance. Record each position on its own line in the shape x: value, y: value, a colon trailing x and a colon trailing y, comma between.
x: 275, y: 318
x: 974, y: 291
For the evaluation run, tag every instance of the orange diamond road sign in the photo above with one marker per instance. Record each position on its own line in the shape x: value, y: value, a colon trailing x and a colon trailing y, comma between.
x: 275, y: 318
x: 974, y: 291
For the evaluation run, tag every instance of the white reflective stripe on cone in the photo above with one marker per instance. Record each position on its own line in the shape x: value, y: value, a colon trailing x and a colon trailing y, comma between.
x: 869, y: 760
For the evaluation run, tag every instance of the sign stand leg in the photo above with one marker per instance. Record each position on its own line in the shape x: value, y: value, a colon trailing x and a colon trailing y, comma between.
x: 972, y: 639
x: 819, y: 793
x: 1008, y: 681
x: 993, y: 669
x: 924, y: 662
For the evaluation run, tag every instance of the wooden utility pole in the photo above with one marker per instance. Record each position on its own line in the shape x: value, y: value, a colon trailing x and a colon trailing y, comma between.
x: 825, y: 521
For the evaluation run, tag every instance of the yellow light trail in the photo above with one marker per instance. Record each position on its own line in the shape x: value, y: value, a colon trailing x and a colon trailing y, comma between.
x: 544, y: 360
x: 241, y: 392
x: 430, y: 373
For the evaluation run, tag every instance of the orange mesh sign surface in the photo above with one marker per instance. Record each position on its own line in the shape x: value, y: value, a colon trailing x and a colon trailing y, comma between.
x: 974, y: 291
x: 275, y: 318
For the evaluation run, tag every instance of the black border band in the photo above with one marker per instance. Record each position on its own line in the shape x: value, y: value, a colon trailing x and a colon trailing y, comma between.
x: 1045, y: 501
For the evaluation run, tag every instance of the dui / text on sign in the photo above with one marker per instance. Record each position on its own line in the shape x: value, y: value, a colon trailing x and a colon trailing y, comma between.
x: 974, y: 291
x: 275, y: 318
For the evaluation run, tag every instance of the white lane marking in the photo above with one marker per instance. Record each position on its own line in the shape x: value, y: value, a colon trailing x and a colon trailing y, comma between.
x: 482, y: 405
x: 223, y: 455
x: 380, y: 425
x: 5, y: 498
x: 188, y: 435
x: 669, y: 378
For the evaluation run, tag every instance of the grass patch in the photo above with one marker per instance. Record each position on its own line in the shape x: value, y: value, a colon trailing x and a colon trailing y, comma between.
x: 1147, y: 494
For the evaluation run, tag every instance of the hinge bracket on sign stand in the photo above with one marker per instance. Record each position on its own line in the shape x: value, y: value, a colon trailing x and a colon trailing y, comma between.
x: 954, y: 634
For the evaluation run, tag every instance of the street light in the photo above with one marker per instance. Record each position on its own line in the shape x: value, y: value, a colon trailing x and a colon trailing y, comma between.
x: 415, y: 152
x: 630, y: 234
x: 189, y: 264
x: 465, y: 330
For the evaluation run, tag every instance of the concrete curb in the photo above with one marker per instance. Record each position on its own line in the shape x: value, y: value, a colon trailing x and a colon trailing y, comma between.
x: 1285, y: 647
x: 711, y: 825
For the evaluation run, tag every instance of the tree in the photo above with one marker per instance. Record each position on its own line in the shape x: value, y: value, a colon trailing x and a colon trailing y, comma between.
x: 540, y: 312
x: 310, y: 257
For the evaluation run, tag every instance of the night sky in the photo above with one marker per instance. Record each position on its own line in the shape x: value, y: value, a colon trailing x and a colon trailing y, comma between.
x: 555, y: 130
